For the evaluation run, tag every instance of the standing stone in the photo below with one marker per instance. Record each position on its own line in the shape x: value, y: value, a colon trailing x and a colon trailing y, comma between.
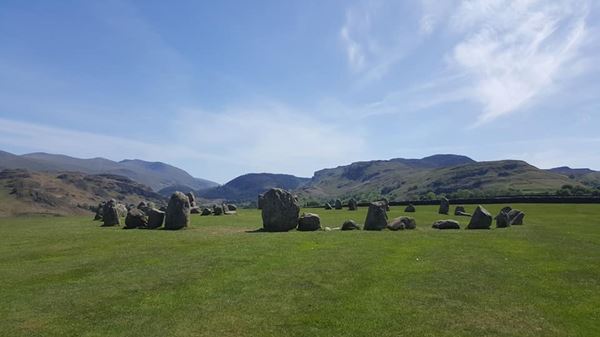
x: 403, y: 222
x: 99, y: 211
x: 280, y: 211
x: 482, y: 219
x: 338, y: 204
x: 506, y: 209
x: 444, y: 206
x: 136, y: 218
x: 328, y: 206
x: 446, y: 224
x: 155, y: 218
x: 376, y: 216
x: 460, y: 211
x: 260, y: 202
x: 192, y: 199
x: 350, y: 225
x: 195, y: 210
x: 502, y: 220
x: 121, y: 209
x: 309, y: 222
x: 218, y: 210
x: 410, y: 208
x: 515, y: 217
x: 206, y: 211
x: 110, y: 215
x: 352, y: 205
x: 231, y: 207
x: 178, y: 212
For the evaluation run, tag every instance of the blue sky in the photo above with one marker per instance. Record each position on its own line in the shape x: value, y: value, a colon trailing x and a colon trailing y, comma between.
x: 223, y: 88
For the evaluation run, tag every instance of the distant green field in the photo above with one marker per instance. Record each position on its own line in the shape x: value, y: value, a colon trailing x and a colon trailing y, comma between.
x: 70, y: 277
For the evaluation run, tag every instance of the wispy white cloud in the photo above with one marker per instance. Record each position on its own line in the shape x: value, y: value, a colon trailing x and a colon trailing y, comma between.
x: 503, y: 54
x: 514, y: 50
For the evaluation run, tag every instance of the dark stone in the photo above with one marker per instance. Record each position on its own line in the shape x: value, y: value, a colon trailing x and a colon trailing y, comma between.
x: 218, y: 210
x: 280, y: 211
x: 232, y: 207
x: 155, y: 218
x: 502, y: 220
x: 376, y: 216
x: 515, y: 217
x: 459, y: 209
x: 463, y: 214
x: 338, y: 204
x: 99, y: 211
x: 446, y: 224
x: 178, y: 212
x: 403, y: 222
x: 110, y: 215
x: 328, y: 206
x: 350, y: 225
x: 136, y: 218
x: 506, y: 209
x: 260, y: 202
x: 206, y: 211
x: 309, y: 222
x: 410, y: 208
x: 352, y: 205
x: 444, y: 206
x: 481, y: 219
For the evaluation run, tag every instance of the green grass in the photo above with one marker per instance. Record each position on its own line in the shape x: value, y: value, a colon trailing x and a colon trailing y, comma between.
x: 70, y: 277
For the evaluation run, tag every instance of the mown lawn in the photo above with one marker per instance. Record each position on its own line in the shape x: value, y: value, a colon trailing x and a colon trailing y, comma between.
x: 70, y: 277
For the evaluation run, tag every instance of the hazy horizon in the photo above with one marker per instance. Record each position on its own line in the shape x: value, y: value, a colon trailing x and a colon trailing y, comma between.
x: 228, y: 88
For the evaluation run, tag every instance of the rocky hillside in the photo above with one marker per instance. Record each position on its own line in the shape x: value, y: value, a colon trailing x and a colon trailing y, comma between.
x: 65, y: 193
x: 442, y: 174
x: 156, y: 175
x: 248, y: 186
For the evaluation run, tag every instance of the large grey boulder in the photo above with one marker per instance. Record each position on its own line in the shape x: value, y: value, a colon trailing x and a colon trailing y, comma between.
x: 481, y: 219
x: 410, y: 208
x: 403, y: 222
x: 444, y: 206
x: 280, y: 211
x: 231, y: 207
x: 352, y: 205
x: 338, y: 204
x: 515, y: 217
x: 136, y: 218
x: 309, y: 222
x: 206, y: 211
x: 110, y: 215
x: 155, y: 218
x: 178, y: 212
x: 328, y: 206
x: 446, y: 224
x: 376, y: 216
x: 350, y: 225
x: 460, y: 211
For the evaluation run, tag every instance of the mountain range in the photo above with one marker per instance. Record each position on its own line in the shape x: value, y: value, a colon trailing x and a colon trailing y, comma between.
x: 456, y: 176
x: 155, y: 175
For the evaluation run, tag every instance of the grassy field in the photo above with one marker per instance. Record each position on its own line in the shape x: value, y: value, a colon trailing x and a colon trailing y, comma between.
x: 70, y: 277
